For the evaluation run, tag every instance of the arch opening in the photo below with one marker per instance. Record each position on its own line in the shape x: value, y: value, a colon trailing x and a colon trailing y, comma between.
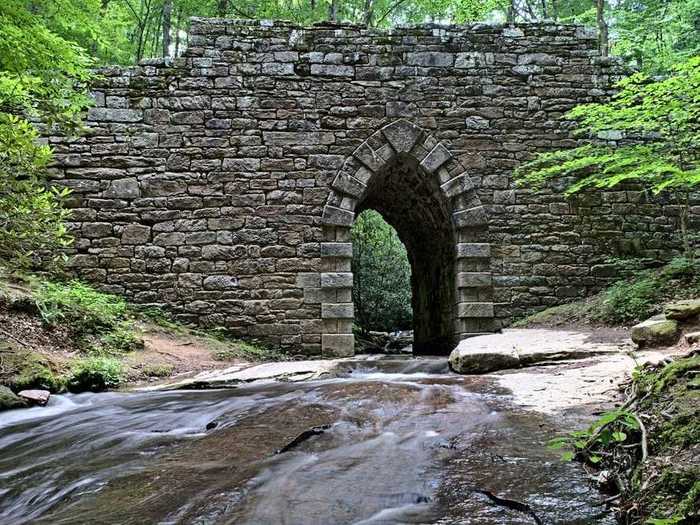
x: 410, y: 201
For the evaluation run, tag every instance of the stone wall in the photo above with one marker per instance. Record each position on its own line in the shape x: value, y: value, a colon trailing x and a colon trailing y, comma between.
x: 222, y: 184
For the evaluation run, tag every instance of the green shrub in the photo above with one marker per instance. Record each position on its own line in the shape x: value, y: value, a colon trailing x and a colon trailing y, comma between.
x: 124, y: 337
x: 95, y: 374
x: 79, y: 305
x: 645, y: 292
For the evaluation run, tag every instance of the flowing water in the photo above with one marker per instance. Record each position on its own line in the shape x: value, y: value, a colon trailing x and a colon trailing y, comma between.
x: 386, y: 442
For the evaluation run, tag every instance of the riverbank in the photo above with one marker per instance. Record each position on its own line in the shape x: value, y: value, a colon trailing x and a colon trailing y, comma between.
x: 66, y: 336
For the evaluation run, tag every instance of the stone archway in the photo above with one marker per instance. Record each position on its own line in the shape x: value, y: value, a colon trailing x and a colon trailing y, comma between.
x: 441, y: 223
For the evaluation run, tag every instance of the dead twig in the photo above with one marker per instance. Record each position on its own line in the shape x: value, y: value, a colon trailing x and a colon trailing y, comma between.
x: 510, y: 504
x: 15, y: 339
x: 643, y: 429
x: 313, y: 431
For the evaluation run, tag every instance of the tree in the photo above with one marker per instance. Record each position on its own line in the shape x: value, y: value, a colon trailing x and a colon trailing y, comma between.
x: 648, y: 134
x: 42, y: 77
x: 382, y: 287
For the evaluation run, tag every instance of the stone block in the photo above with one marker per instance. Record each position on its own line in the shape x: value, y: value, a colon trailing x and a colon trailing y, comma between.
x: 127, y: 188
x: 402, y: 135
x: 338, y: 345
x: 438, y: 156
x: 337, y: 311
x: 337, y: 217
x: 135, y: 234
x: 472, y: 217
x: 465, y: 249
x: 481, y: 310
x: 474, y: 279
x: 336, y: 280
x: 336, y: 249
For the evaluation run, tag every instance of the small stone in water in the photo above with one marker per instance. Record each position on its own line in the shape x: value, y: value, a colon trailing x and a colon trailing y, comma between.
x: 35, y: 397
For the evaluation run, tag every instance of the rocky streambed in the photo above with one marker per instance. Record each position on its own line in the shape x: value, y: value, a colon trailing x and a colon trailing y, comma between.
x: 382, y: 440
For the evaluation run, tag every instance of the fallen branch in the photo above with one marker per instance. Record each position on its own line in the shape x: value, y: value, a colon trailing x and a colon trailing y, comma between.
x: 643, y: 429
x: 510, y: 504
x: 17, y: 340
x: 313, y: 431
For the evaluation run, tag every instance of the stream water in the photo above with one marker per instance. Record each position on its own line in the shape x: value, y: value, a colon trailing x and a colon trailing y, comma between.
x: 394, y: 441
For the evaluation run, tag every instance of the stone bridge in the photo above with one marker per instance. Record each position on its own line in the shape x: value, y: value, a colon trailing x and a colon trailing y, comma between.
x: 223, y: 184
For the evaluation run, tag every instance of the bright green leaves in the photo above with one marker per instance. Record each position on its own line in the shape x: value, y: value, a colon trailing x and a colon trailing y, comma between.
x: 382, y: 288
x: 31, y: 216
x: 613, y: 427
x: 42, y: 76
x: 660, y: 117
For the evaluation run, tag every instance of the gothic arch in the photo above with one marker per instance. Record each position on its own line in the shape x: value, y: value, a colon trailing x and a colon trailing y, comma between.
x: 472, y: 311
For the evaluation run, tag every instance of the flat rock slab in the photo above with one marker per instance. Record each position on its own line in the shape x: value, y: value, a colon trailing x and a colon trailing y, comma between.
x: 35, y: 397
x: 517, y: 348
x: 228, y: 377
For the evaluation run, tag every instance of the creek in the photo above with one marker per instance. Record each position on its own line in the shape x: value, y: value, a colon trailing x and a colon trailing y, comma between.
x: 397, y: 440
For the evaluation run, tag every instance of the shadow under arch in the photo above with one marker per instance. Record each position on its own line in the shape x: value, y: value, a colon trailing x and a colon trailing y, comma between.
x: 427, y: 196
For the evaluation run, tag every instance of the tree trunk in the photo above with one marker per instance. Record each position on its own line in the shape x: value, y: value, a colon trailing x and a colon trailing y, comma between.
x: 333, y: 11
x: 602, y: 28
x: 511, y: 12
x: 221, y: 8
x: 177, y: 32
x: 368, y: 15
x: 167, y: 13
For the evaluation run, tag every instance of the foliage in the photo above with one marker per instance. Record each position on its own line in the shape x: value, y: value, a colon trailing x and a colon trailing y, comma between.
x: 382, y: 273
x: 614, y: 426
x: 644, y: 293
x: 95, y: 373
x: 79, y: 305
x: 42, y: 76
x: 31, y: 215
x: 664, y: 112
x: 633, y: 461
x: 101, y: 319
x: 635, y: 298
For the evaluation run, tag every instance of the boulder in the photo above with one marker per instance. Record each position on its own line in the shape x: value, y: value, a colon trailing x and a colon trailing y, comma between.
x: 682, y: 310
x: 9, y: 400
x: 517, y: 348
x: 692, y: 338
x: 657, y: 331
x: 465, y: 360
x: 35, y: 397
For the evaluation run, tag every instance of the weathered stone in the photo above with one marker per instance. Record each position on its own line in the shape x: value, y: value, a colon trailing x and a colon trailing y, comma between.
x: 251, y: 155
x: 338, y: 345
x: 336, y: 280
x: 135, y: 234
x: 337, y: 311
x: 402, y: 135
x: 682, y: 310
x: 436, y: 158
x: 336, y: 249
x: 656, y: 331
x: 35, y: 397
x: 9, y: 400
x: 123, y: 189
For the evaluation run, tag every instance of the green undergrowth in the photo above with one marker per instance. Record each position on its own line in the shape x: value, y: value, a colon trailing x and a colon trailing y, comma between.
x: 101, y: 331
x: 648, y: 451
x: 638, y: 297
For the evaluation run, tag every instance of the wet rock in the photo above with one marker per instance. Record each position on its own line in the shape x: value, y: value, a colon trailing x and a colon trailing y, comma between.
x: 522, y: 347
x: 35, y: 397
x: 692, y: 338
x: 655, y: 331
x: 682, y: 310
x: 9, y: 400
